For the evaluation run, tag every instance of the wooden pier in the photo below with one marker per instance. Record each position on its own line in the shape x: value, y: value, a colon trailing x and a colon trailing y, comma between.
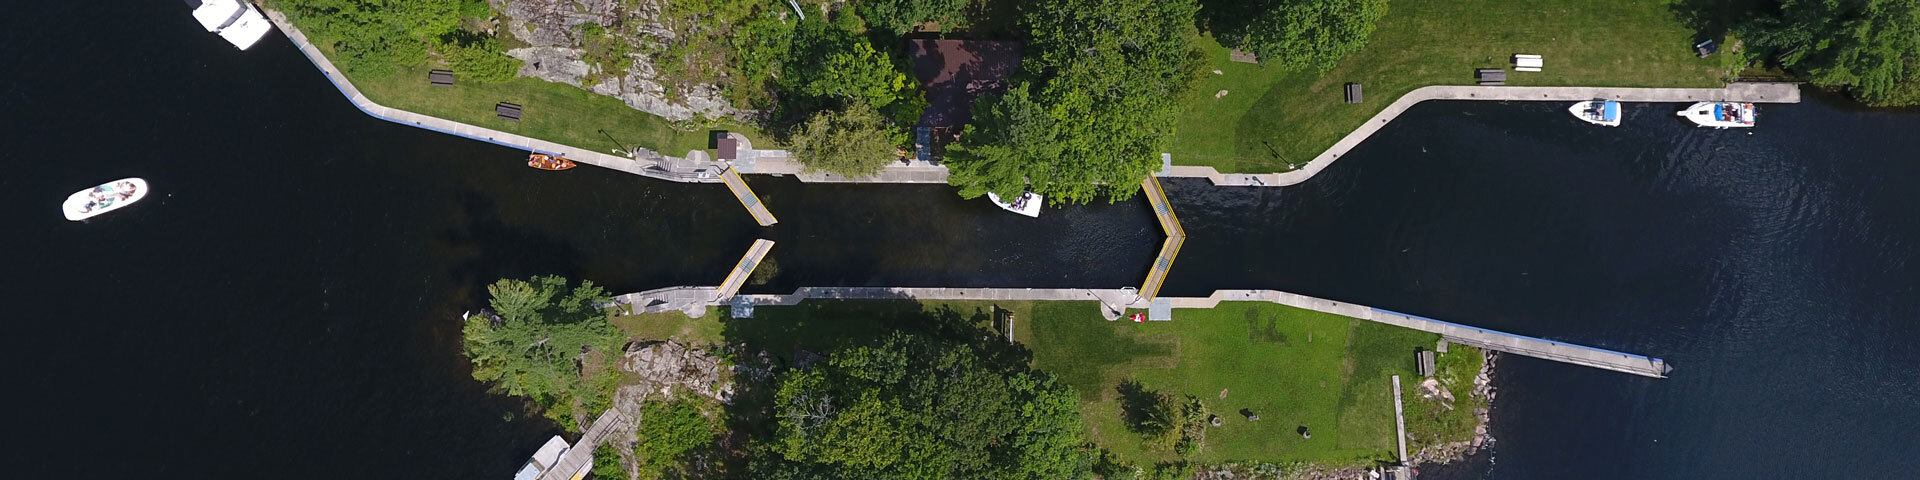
x: 743, y: 270
x: 1169, y: 223
x: 747, y: 199
x: 581, y: 454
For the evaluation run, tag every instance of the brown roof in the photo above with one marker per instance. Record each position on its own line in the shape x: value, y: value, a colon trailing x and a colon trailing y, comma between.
x: 955, y: 72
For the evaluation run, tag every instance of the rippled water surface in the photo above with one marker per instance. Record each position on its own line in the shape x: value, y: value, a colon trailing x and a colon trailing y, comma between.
x: 1775, y: 269
x: 284, y: 305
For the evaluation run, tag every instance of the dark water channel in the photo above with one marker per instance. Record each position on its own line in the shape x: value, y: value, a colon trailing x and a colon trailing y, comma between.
x: 286, y: 304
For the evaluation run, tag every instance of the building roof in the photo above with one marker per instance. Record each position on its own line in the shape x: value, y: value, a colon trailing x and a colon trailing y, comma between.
x: 953, y: 73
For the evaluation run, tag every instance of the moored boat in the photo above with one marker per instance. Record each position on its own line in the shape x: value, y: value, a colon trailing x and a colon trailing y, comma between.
x: 1597, y: 112
x: 234, y: 20
x: 548, y: 162
x: 547, y: 458
x: 1026, y: 204
x: 104, y: 198
x: 1720, y: 114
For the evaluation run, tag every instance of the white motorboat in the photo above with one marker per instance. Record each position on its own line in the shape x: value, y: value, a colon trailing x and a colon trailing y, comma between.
x: 1597, y: 112
x: 235, y: 20
x: 105, y: 198
x: 1027, y: 204
x: 547, y: 458
x: 1720, y: 114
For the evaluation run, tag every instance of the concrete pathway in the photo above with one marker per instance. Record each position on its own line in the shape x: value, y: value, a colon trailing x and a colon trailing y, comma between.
x: 652, y: 164
x: 644, y: 163
x: 1399, y: 420
x: 1115, y: 300
x: 1738, y: 92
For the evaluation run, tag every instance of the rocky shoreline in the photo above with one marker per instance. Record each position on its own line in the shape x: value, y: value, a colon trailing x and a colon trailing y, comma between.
x: 1456, y: 451
x: 1441, y: 454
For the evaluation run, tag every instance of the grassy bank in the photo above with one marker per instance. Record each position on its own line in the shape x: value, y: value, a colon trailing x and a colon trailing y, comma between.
x: 1270, y: 120
x: 1291, y: 367
x: 554, y: 112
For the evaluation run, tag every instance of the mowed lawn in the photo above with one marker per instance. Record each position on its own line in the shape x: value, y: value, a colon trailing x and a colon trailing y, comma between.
x: 554, y: 112
x: 1270, y: 121
x: 1291, y: 367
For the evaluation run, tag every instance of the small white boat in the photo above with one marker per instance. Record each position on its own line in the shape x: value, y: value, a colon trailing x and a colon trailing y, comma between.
x: 105, y: 198
x: 1597, y: 112
x: 1028, y: 204
x: 1720, y: 114
x: 235, y: 20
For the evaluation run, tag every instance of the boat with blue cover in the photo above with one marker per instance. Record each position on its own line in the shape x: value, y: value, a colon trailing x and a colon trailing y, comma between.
x: 1597, y: 112
x: 1721, y: 114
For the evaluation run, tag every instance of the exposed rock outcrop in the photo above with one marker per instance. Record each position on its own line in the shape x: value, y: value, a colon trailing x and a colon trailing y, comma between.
x: 665, y: 365
x: 551, y: 28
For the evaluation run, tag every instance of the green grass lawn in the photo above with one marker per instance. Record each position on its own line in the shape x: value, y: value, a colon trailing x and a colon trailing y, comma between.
x: 674, y: 326
x: 1269, y: 119
x: 554, y: 112
x: 1291, y: 367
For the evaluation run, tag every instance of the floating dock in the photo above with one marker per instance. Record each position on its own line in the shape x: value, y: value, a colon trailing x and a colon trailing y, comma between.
x: 747, y: 199
x: 743, y: 270
x: 1169, y: 223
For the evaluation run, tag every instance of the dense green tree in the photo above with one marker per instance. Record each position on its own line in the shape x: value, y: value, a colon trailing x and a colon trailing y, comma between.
x: 899, y: 16
x: 606, y: 464
x: 917, y: 408
x: 1869, y: 47
x: 1111, y: 74
x: 854, y: 142
x: 1297, y: 34
x: 1011, y: 136
x: 759, y: 46
x: 670, y: 431
x: 534, y: 349
x: 479, y: 59
x: 377, y: 37
x: 831, y: 62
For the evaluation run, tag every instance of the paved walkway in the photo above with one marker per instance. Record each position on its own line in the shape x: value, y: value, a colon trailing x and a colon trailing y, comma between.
x: 1115, y: 299
x: 649, y: 163
x: 1738, y: 92
x: 1399, y: 420
x: 779, y: 163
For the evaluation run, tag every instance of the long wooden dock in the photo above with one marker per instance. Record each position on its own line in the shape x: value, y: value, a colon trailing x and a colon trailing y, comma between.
x: 1479, y: 337
x: 747, y: 199
x: 1170, y: 224
x: 581, y: 454
x: 743, y: 270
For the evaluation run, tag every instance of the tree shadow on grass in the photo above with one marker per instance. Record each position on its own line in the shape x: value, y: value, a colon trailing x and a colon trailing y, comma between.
x: 1144, y: 411
x: 782, y: 338
x: 1712, y: 19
